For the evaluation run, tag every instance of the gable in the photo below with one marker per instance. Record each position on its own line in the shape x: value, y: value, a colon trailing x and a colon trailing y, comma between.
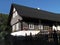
x: 15, y: 17
x: 14, y: 12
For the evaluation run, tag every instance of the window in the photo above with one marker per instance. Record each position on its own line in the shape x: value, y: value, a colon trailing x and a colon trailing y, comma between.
x: 46, y: 27
x: 14, y: 9
x: 14, y: 28
x: 31, y: 26
x: 41, y: 27
x: 54, y: 27
x: 17, y: 26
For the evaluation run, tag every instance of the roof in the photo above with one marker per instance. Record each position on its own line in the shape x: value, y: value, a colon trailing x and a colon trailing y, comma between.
x: 35, y: 13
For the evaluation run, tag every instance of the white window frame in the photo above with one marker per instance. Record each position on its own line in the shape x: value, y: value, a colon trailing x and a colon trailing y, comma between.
x: 13, y: 27
x: 31, y: 26
x: 54, y: 27
x: 58, y: 27
x: 17, y: 26
x: 14, y: 9
x: 40, y: 27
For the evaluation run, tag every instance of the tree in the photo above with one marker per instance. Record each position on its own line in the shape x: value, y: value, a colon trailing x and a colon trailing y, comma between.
x: 3, y: 26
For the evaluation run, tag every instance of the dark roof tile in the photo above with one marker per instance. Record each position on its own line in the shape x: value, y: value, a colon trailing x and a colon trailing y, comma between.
x: 35, y: 13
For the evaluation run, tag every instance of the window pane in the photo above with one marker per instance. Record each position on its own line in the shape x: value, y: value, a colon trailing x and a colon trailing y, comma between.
x: 17, y: 26
x: 13, y: 27
x: 41, y: 27
x: 31, y: 26
x: 46, y: 27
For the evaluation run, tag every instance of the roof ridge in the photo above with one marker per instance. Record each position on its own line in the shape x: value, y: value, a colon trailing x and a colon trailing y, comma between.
x: 35, y: 9
x: 26, y: 11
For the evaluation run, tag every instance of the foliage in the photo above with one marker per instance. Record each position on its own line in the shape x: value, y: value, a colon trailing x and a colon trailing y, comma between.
x: 3, y: 26
x: 3, y: 21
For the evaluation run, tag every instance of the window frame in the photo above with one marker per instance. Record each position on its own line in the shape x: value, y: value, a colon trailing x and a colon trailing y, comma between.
x: 17, y: 26
x: 31, y: 26
x: 14, y: 27
x: 40, y: 27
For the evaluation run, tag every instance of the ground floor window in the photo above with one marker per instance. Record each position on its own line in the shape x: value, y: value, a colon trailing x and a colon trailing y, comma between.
x: 31, y: 26
x: 17, y: 26
x: 13, y: 27
x: 46, y: 27
x: 40, y: 27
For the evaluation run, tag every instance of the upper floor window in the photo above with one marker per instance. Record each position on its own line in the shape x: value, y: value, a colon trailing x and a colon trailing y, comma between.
x: 31, y: 26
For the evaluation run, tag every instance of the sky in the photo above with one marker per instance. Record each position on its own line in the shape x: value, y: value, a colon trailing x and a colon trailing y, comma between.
x: 48, y: 5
